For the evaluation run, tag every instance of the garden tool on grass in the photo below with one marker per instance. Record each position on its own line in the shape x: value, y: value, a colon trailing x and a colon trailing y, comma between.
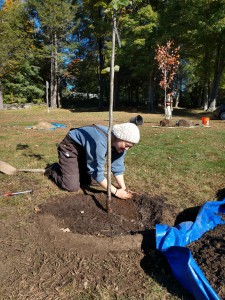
x: 16, y: 193
x: 10, y: 170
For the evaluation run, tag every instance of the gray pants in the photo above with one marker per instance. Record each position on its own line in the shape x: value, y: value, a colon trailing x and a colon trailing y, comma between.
x: 71, y: 171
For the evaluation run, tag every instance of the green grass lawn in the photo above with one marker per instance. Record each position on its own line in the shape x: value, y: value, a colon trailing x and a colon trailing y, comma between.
x: 184, y: 165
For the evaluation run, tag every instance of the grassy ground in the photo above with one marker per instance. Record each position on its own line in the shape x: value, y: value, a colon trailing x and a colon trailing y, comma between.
x: 185, y: 165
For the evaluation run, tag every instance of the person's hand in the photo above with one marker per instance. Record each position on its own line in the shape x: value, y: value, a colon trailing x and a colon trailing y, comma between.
x: 132, y: 192
x: 123, y: 194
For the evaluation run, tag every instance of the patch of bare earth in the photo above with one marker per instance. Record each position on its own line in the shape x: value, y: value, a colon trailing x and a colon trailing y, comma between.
x: 70, y: 248
x: 209, y: 253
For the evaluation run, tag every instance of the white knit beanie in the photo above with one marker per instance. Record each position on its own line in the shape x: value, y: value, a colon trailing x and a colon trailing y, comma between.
x: 128, y: 132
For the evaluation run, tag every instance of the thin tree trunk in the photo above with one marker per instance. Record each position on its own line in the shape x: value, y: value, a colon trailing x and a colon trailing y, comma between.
x: 177, y: 99
x: 205, y: 96
x: 205, y: 103
x: 59, y: 98
x: 218, y: 71
x: 47, y: 94
x: 52, y: 81
x: 177, y: 91
x: 165, y: 93
x: 54, y: 73
x: 109, y: 209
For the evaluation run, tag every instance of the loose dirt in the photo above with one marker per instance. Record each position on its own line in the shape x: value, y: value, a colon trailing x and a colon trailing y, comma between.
x: 71, y: 248
x: 209, y: 253
x: 87, y: 214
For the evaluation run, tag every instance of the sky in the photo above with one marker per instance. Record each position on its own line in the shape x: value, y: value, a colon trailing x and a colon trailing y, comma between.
x: 1, y: 3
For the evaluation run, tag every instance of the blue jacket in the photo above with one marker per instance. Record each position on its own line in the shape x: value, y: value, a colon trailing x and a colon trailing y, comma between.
x: 95, y: 144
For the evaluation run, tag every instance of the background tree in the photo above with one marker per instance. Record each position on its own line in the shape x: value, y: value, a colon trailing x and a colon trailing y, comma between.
x: 168, y: 62
x: 136, y: 57
x: 25, y: 85
x: 49, y: 41
x: 96, y: 32
x: 198, y: 27
x: 56, y: 21
x: 15, y: 40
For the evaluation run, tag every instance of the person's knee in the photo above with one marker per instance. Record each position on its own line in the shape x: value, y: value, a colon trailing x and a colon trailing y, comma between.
x: 72, y: 189
x: 71, y: 186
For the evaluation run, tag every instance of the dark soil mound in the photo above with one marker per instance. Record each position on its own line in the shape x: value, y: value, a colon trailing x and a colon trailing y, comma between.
x: 209, y: 253
x: 86, y: 214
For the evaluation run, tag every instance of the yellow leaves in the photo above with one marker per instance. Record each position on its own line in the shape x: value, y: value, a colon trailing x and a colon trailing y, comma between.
x: 9, y: 4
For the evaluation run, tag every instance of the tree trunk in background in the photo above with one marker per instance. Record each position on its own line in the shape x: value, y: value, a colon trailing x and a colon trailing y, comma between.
x: 218, y: 71
x: 52, y: 82
x: 54, y: 73
x: 205, y: 96
x: 178, y: 90
x: 205, y: 103
x: 59, y: 94
x: 1, y: 98
x: 177, y: 99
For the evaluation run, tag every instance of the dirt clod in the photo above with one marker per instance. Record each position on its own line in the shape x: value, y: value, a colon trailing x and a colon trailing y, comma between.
x: 166, y: 123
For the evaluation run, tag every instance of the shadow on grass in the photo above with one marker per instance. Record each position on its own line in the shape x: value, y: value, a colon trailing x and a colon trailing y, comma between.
x: 22, y: 147
x: 155, y: 265
x: 177, y: 112
x: 220, y: 194
x: 190, y: 113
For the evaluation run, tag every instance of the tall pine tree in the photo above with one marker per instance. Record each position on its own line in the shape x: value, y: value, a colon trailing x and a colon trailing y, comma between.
x: 56, y: 20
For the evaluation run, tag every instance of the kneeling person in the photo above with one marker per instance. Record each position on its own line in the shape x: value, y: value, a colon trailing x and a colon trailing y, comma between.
x: 82, y: 157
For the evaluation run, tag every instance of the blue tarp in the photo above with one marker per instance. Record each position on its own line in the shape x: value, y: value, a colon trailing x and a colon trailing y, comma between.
x: 57, y: 125
x: 43, y: 126
x: 172, y: 242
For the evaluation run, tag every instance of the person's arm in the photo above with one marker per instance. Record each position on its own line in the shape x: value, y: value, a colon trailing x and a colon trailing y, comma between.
x: 120, y: 181
x: 120, y: 193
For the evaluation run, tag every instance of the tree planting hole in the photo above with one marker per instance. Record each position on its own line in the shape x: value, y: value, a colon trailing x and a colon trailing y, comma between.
x: 86, y: 214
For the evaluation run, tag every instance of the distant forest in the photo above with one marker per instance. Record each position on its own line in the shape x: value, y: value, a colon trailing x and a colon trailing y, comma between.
x: 59, y: 51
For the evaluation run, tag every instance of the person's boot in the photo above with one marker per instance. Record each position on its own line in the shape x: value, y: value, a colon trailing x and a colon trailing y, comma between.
x: 49, y: 169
